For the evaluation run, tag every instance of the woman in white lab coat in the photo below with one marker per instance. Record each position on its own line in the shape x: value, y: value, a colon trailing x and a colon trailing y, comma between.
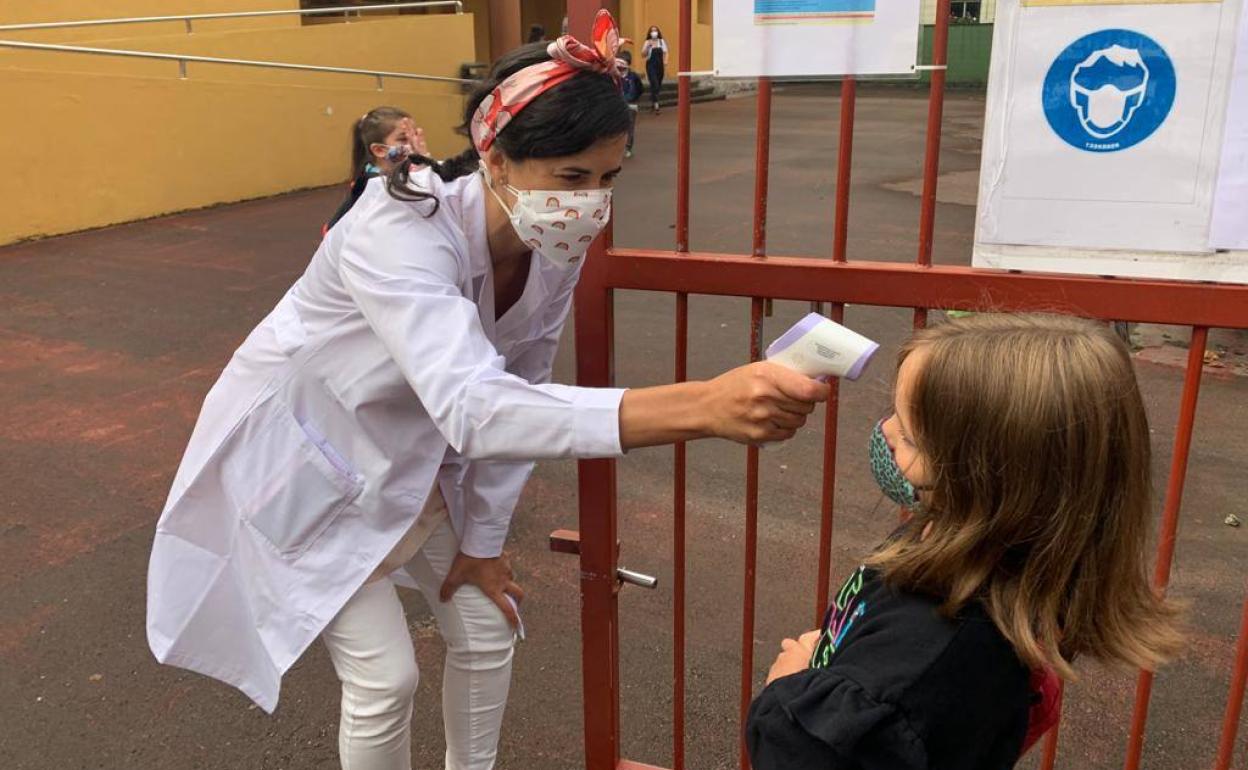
x: 379, y: 425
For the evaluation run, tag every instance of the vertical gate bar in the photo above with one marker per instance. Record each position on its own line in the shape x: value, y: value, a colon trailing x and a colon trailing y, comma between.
x: 682, y: 126
x: 678, y: 550
x: 751, y: 546
x: 1050, y: 740
x: 596, y: 492
x: 931, y: 154
x: 844, y: 163
x: 762, y: 157
x: 685, y: 64
x: 840, y: 239
x: 762, y: 153
x: 828, y: 485
x: 1169, y: 524
x: 1235, y: 698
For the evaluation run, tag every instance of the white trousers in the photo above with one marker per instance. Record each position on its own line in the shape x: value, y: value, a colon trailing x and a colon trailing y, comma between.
x: 371, y: 649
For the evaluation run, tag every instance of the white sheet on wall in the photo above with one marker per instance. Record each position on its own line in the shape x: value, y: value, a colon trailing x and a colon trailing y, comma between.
x: 1229, y: 229
x: 815, y: 37
x: 1102, y: 138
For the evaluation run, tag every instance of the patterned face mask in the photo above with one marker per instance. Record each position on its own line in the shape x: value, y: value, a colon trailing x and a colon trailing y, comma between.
x: 558, y: 224
x: 888, y: 473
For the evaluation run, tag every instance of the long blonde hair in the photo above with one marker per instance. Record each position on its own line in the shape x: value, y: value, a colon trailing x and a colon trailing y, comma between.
x: 1037, y: 446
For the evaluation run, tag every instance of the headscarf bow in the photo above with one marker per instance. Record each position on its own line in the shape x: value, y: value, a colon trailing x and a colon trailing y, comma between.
x: 568, y: 57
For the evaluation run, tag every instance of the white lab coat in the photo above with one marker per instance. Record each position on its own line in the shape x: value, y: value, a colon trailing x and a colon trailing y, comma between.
x: 380, y: 373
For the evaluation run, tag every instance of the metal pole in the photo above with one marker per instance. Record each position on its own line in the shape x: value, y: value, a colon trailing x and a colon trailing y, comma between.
x: 931, y: 155
x: 596, y: 489
x: 1169, y: 524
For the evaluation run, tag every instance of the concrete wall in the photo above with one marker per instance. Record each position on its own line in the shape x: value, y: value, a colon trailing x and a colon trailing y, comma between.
x: 970, y: 48
x: 142, y: 142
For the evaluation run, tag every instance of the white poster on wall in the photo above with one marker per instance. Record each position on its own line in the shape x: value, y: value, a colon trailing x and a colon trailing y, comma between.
x: 1229, y: 229
x: 779, y: 38
x: 1102, y: 138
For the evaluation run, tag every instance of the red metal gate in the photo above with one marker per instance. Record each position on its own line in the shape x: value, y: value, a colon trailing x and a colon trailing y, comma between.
x: 836, y: 281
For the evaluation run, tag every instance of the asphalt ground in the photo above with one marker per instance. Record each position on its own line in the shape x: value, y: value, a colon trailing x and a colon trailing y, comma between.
x: 109, y: 340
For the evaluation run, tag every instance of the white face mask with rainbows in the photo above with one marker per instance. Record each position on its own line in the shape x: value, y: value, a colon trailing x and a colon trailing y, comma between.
x: 558, y: 224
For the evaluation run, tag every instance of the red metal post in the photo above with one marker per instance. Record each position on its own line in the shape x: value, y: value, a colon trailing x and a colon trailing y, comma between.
x: 751, y: 546
x: 683, y: 117
x: 596, y: 489
x: 828, y: 490
x: 762, y: 144
x: 682, y: 126
x: 1169, y: 524
x: 931, y: 154
x: 678, y: 551
x: 840, y: 240
x: 844, y: 164
x: 762, y: 155
x: 1235, y: 699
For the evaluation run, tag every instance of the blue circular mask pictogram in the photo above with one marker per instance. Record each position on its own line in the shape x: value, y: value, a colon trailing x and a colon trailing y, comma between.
x: 1109, y: 90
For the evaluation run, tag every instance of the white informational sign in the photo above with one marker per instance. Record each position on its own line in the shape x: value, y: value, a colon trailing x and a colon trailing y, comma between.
x: 1229, y: 229
x: 815, y: 37
x: 1103, y: 136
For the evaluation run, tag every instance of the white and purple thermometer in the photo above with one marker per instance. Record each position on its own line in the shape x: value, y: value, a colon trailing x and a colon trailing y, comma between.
x: 821, y: 348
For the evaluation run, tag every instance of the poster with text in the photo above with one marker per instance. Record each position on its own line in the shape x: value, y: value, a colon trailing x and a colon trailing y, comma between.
x: 1102, y: 138
x: 779, y: 38
x: 1229, y: 229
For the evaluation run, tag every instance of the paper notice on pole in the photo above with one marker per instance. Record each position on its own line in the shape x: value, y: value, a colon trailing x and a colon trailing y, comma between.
x: 1229, y: 229
x: 1102, y: 138
x: 778, y: 38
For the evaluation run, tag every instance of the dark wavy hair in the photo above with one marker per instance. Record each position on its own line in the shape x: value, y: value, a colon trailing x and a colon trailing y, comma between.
x: 565, y: 120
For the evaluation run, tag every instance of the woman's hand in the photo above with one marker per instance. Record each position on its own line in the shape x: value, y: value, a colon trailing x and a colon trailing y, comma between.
x: 751, y: 404
x: 761, y: 402
x: 493, y: 576
x: 794, y: 655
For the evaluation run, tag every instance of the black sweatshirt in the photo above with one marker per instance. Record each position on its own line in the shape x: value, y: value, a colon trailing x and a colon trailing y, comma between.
x: 894, y: 685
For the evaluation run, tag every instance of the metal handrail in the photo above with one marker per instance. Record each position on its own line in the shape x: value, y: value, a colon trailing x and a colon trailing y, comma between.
x: 182, y: 59
x: 193, y: 17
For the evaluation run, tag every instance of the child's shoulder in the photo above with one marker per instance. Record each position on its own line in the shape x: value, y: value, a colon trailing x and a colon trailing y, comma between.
x: 889, y: 639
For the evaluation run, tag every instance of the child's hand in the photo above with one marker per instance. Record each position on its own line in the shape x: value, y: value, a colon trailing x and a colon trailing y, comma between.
x: 415, y: 137
x: 794, y: 655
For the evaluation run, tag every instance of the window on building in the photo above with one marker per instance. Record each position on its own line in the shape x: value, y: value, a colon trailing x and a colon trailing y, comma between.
x: 964, y: 10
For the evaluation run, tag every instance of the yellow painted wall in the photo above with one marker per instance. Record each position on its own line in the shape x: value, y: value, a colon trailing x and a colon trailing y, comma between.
x: 481, y: 27
x: 24, y: 12
x: 154, y: 143
x: 548, y: 13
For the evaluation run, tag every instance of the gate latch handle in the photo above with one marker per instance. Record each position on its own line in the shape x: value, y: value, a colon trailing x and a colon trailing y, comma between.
x: 569, y: 541
x: 636, y: 578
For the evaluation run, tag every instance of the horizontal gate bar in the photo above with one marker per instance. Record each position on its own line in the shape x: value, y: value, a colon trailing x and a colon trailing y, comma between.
x: 897, y: 284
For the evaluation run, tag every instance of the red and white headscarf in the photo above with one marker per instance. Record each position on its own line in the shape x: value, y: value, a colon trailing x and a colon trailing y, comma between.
x: 569, y: 56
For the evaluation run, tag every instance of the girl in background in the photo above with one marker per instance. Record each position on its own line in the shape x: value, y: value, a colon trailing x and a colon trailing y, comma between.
x: 654, y: 51
x: 380, y: 140
x: 1021, y: 447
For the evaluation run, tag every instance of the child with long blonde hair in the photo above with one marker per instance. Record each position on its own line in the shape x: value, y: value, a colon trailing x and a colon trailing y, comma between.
x: 1020, y: 446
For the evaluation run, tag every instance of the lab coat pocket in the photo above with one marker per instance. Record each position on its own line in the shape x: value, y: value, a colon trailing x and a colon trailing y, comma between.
x: 291, y: 483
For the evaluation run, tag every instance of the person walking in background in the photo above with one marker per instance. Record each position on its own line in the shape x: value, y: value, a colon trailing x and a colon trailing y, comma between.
x: 654, y: 51
x: 632, y: 89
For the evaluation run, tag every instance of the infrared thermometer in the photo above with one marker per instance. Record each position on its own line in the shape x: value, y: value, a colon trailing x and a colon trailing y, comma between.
x: 821, y: 348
